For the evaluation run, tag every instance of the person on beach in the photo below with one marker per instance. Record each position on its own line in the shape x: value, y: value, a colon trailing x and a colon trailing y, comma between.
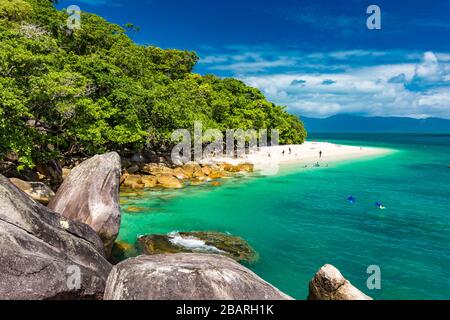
x: 283, y: 153
x: 290, y: 151
x: 320, y: 154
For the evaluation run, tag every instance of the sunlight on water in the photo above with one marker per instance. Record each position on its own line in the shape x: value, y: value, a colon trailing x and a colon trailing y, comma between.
x: 301, y: 219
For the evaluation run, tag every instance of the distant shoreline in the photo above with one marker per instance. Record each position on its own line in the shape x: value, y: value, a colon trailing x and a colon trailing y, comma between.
x: 307, y: 154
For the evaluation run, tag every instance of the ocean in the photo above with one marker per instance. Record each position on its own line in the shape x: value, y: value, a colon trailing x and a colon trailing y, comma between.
x: 300, y: 219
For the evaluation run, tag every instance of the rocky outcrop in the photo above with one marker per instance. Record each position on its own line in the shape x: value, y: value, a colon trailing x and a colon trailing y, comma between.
x: 153, y: 175
x: 42, y: 252
x: 90, y: 194
x: 187, y: 276
x: 198, y: 242
x: 37, y: 191
x: 329, y: 284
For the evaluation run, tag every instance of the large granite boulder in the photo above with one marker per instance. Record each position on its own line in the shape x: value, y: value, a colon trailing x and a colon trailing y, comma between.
x: 42, y: 252
x: 330, y: 284
x: 38, y: 191
x: 187, y: 276
x: 90, y: 194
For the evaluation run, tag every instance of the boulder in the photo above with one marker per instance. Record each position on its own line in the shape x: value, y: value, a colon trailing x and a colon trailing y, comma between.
x: 246, y: 167
x: 199, y: 175
x: 149, y: 181
x: 229, y: 167
x: 187, y: 276
x: 90, y: 194
x: 191, y: 167
x: 53, y: 171
x: 198, y: 242
x: 133, y: 181
x: 133, y: 169
x: 180, y: 174
x: 206, y: 170
x: 168, y: 181
x: 37, y: 191
x: 41, y: 252
x: 155, y: 169
x: 329, y: 284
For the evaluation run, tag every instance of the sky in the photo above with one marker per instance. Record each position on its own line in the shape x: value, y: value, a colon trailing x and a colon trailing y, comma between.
x: 317, y: 58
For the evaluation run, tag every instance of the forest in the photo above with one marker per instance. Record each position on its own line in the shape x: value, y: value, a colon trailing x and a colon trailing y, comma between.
x: 74, y: 93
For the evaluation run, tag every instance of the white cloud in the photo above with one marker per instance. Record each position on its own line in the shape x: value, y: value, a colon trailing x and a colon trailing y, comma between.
x: 364, y: 90
x: 376, y: 83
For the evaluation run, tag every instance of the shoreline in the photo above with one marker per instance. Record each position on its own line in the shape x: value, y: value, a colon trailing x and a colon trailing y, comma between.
x: 306, y: 154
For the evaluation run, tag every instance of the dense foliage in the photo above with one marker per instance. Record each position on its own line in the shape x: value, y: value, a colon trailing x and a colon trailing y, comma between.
x: 90, y: 90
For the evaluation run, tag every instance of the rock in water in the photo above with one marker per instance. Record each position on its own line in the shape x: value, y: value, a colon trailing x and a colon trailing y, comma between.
x: 329, y: 284
x: 187, y: 276
x: 42, y: 252
x: 198, y: 242
x: 38, y: 191
x: 90, y: 194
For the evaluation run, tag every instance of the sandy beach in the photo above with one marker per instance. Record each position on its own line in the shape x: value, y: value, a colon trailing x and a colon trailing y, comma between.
x: 308, y: 154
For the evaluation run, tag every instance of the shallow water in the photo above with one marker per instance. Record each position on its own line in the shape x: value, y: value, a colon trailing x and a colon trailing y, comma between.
x: 300, y: 219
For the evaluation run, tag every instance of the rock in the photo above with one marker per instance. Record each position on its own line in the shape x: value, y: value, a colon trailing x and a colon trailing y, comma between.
x: 229, y: 167
x: 195, y: 182
x: 329, y: 284
x: 37, y: 191
x: 246, y: 167
x: 206, y: 170
x: 40, y: 250
x: 150, y: 167
x: 168, y: 181
x: 139, y: 158
x: 53, y: 171
x: 90, y: 194
x: 135, y: 209
x: 155, y: 169
x: 121, y: 251
x: 133, y: 181
x: 217, y: 175
x: 187, y: 277
x: 198, y: 242
x: 65, y: 173
x: 149, y: 181
x: 199, y: 175
x: 180, y: 174
x: 191, y: 167
x: 133, y: 169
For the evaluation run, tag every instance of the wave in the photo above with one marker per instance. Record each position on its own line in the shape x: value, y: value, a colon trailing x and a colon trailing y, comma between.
x: 191, y: 243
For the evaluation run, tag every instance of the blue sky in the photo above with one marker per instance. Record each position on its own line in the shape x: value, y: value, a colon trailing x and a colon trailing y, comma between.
x: 316, y: 57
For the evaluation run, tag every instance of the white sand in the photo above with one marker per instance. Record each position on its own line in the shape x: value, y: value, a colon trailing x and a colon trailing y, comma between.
x: 305, y: 154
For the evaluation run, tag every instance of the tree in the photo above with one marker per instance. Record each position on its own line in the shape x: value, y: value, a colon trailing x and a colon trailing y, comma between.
x: 69, y: 94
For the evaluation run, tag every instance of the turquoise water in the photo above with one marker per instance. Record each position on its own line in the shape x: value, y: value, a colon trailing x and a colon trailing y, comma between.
x: 300, y: 219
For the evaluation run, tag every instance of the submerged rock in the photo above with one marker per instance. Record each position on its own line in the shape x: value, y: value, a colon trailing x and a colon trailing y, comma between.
x: 187, y: 277
x: 199, y: 242
x: 330, y: 284
x: 90, y: 194
x: 38, y: 191
x: 41, y: 252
